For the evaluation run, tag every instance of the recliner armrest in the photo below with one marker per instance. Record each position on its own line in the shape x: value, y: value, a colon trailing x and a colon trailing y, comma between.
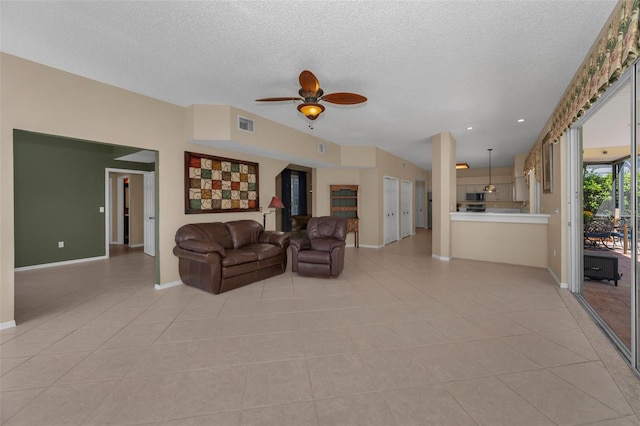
x: 278, y: 238
x: 301, y: 243
x: 326, y: 244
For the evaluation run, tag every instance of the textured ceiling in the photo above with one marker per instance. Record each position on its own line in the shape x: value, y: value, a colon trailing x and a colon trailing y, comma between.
x: 426, y: 67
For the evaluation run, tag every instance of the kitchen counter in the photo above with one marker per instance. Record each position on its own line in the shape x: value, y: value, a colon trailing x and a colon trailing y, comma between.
x: 491, y: 216
x: 514, y: 238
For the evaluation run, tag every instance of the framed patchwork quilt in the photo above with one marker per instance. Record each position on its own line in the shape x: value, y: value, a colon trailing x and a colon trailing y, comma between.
x: 219, y: 185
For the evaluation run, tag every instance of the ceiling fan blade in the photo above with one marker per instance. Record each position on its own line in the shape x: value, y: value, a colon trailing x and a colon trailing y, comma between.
x: 278, y: 99
x: 344, y: 98
x: 309, y: 82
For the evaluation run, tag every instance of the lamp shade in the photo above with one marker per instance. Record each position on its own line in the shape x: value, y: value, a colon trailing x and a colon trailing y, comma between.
x: 311, y: 109
x: 276, y: 203
x: 490, y: 188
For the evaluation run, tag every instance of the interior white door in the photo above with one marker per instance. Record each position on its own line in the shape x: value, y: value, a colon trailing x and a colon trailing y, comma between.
x: 149, y: 214
x: 391, y: 210
x: 406, y: 222
x: 419, y: 206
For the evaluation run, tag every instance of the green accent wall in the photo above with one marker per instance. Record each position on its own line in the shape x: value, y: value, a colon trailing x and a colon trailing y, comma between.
x: 59, y: 186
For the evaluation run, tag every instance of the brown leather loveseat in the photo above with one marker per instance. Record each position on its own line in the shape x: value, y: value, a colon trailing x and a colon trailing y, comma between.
x: 220, y: 256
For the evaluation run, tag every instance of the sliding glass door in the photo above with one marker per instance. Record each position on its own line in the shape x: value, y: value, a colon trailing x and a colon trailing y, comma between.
x: 605, y: 147
x: 632, y: 234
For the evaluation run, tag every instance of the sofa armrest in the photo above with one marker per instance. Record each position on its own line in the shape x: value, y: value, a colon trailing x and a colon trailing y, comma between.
x: 278, y: 238
x: 210, y: 257
x: 200, y: 246
x: 301, y: 243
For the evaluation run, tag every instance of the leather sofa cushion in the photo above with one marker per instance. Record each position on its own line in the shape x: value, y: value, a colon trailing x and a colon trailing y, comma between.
x: 237, y: 257
x: 244, y: 232
x: 263, y: 251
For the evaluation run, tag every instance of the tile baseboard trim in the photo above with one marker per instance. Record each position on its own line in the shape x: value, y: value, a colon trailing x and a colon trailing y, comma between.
x: 7, y: 324
x: 63, y: 263
x: 370, y: 246
x: 168, y: 285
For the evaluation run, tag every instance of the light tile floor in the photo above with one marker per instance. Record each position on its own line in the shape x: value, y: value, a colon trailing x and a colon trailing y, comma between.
x: 398, y: 339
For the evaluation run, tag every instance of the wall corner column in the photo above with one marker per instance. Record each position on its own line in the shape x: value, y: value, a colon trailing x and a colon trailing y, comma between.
x: 443, y: 160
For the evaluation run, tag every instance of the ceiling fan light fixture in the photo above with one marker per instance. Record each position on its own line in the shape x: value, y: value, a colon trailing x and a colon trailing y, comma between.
x: 311, y: 110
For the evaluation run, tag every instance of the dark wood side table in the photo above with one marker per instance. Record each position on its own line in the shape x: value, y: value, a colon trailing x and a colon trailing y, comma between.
x: 352, y: 226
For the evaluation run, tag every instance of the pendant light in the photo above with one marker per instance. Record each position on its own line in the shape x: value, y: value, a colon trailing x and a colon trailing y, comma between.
x: 491, y: 187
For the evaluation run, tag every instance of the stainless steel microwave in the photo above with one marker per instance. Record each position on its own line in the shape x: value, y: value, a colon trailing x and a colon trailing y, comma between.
x: 475, y: 196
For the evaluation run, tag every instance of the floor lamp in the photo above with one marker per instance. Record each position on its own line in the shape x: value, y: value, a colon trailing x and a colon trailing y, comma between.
x: 276, y: 203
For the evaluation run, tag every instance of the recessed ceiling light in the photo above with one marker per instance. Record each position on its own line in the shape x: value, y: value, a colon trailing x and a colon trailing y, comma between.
x: 521, y: 120
x: 469, y: 128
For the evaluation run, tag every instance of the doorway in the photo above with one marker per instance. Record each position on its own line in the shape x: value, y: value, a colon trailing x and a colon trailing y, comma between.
x: 603, y: 180
x: 130, y: 209
x: 294, y: 192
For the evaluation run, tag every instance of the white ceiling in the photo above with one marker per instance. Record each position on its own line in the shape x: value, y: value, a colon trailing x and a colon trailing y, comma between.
x: 426, y: 66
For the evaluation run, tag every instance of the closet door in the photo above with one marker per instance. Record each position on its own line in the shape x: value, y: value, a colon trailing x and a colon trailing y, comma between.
x: 407, y: 216
x: 420, y: 207
x: 391, y: 209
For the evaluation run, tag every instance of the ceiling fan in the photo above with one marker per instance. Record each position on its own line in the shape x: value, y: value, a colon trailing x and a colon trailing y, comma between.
x: 311, y: 94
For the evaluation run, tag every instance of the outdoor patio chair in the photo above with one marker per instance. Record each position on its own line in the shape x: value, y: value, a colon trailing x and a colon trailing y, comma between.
x: 599, y: 231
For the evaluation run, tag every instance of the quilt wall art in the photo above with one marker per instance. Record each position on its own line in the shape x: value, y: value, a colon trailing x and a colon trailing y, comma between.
x: 219, y: 185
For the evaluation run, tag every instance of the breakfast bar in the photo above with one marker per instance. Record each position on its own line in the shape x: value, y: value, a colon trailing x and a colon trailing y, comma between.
x: 514, y: 238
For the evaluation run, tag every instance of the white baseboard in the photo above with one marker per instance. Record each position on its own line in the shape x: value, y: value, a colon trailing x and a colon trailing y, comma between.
x: 168, y: 285
x: 8, y: 324
x: 555, y: 278
x: 371, y: 246
x: 63, y: 263
x: 443, y: 258
x: 136, y: 245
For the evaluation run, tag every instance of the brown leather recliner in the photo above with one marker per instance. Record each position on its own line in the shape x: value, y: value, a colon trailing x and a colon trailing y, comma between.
x: 321, y: 253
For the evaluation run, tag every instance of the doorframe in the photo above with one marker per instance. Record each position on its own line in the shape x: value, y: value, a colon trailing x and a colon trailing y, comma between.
x: 420, y: 204
x: 574, y: 265
x: 411, y: 194
x: 119, y: 208
x: 108, y: 202
x: 396, y: 201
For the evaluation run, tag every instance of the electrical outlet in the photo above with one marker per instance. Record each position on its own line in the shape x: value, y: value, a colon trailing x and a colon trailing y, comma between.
x: 101, y: 209
x: 60, y: 244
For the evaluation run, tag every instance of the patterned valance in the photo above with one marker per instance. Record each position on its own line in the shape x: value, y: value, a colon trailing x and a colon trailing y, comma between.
x: 615, y: 49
